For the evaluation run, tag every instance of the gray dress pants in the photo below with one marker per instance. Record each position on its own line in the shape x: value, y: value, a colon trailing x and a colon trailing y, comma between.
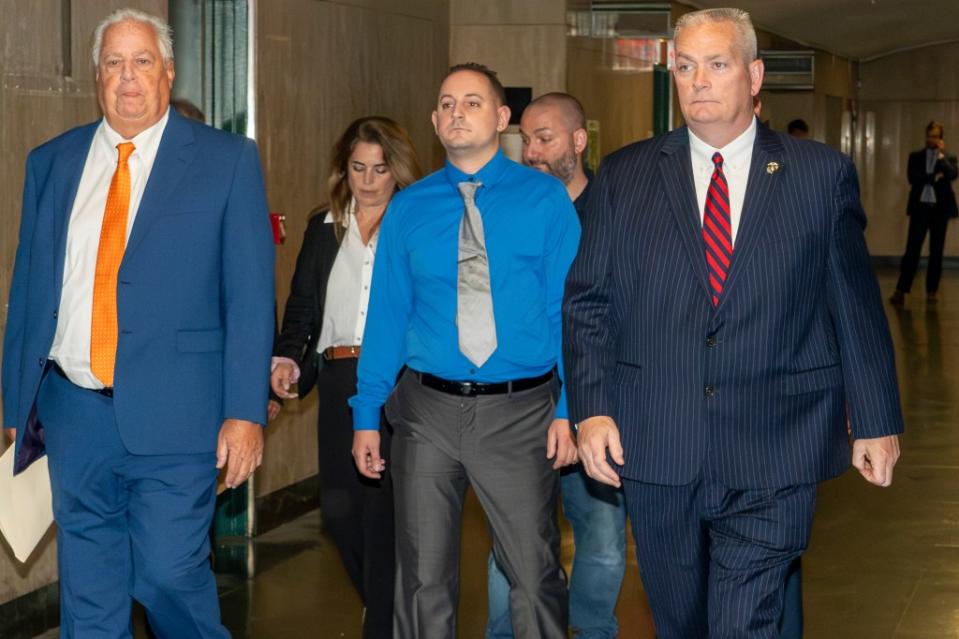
x: 443, y: 443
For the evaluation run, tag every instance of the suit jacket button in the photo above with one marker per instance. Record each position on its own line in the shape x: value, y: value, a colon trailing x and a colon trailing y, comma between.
x: 41, y: 361
x: 710, y: 390
x: 711, y: 341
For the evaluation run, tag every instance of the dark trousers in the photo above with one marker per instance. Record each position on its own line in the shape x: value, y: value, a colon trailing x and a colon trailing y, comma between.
x: 791, y: 622
x: 357, y: 512
x: 931, y: 221
x: 128, y: 526
x: 497, y: 444
x: 715, y: 561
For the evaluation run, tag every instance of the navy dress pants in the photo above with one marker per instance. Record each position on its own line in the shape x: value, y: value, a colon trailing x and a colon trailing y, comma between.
x: 715, y: 560
x: 128, y: 526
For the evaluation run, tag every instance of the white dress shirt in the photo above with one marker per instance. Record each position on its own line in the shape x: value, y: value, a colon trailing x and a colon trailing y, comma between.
x: 737, y: 156
x: 71, y: 343
x: 928, y: 195
x: 348, y: 289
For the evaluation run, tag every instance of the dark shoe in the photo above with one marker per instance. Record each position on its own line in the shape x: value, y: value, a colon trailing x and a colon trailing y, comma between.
x: 898, y: 298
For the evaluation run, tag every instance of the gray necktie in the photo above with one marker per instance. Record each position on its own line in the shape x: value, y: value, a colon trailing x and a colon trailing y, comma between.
x: 474, y: 300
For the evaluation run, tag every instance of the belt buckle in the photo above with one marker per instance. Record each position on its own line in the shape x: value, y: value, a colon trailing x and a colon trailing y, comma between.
x: 467, y: 388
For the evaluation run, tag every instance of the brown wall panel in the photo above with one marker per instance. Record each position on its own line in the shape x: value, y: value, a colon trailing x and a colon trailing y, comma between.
x: 319, y: 66
x: 32, y: 56
x: 621, y: 102
x: 508, y: 12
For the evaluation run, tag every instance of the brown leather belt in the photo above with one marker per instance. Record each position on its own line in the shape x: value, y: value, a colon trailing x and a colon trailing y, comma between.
x: 342, y: 352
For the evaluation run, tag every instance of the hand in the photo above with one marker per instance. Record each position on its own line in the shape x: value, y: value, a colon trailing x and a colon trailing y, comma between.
x: 560, y: 444
x: 281, y: 379
x: 11, y: 434
x: 239, y: 447
x: 941, y: 146
x: 366, y: 453
x: 595, y: 436
x: 273, y: 409
x: 875, y: 458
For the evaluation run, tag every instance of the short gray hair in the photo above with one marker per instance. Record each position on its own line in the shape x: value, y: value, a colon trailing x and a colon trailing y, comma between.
x: 740, y: 20
x: 162, y: 30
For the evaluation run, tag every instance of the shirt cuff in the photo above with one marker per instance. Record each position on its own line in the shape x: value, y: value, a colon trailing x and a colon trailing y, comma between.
x: 286, y: 360
x: 366, y: 417
x: 562, y: 412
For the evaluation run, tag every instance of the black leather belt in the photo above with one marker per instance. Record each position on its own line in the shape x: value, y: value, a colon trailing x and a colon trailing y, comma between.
x: 472, y: 389
x: 106, y: 392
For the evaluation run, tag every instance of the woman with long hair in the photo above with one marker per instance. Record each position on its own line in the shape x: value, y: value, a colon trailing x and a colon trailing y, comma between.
x: 320, y: 342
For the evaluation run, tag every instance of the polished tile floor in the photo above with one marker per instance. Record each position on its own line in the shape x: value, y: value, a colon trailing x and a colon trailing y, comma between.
x: 882, y: 564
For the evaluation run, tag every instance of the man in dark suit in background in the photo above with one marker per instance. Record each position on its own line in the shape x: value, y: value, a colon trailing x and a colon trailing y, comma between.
x: 137, y: 346
x: 932, y: 203
x: 720, y: 317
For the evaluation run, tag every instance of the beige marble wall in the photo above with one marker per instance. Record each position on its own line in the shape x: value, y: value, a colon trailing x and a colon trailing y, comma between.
x: 46, y: 87
x: 319, y: 66
x: 621, y: 102
x: 899, y: 95
x: 822, y: 108
x: 524, y: 42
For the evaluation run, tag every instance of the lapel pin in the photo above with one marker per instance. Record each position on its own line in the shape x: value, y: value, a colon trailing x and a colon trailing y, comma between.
x: 772, y: 167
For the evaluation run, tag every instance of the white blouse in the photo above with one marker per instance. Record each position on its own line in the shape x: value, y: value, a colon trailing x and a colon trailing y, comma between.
x: 348, y: 289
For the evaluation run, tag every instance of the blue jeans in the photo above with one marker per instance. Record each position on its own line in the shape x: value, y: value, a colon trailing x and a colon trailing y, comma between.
x: 597, y: 513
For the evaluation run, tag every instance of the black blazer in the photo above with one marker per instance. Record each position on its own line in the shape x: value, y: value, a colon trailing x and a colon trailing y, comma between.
x: 303, y: 317
x: 918, y: 178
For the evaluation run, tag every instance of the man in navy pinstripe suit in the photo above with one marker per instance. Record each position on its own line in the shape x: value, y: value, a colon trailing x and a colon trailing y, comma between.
x: 721, y: 320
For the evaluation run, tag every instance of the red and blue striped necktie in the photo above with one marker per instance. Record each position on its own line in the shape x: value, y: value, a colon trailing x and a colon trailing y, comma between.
x: 717, y: 230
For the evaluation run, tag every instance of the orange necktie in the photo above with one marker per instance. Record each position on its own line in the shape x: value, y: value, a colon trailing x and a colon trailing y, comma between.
x: 113, y: 239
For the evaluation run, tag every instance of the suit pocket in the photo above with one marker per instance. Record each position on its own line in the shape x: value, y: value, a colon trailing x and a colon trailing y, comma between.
x: 206, y: 341
x: 626, y: 373
x: 813, y: 380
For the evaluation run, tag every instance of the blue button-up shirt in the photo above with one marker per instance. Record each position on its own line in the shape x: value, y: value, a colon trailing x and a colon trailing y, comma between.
x: 531, y: 233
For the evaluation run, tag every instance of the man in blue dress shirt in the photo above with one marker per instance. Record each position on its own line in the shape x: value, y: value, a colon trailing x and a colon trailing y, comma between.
x: 467, y: 294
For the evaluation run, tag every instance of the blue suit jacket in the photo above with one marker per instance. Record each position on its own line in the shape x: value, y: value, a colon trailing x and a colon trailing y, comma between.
x: 194, y: 298
x: 758, y: 387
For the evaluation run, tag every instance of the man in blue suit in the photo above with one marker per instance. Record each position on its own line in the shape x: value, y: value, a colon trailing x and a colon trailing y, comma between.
x: 721, y: 321
x: 138, y: 340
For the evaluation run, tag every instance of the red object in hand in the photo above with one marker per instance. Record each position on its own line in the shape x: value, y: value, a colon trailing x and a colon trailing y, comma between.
x: 278, y: 224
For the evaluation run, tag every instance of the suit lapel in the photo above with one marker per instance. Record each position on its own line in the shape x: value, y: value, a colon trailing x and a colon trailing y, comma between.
x: 676, y: 172
x: 66, y: 180
x: 765, y: 178
x: 174, y: 155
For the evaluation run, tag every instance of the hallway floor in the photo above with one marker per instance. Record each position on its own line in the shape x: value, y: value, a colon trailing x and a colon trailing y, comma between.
x: 882, y: 564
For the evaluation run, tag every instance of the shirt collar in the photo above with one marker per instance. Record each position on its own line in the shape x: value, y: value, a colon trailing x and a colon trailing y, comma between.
x: 141, y: 140
x: 350, y: 212
x: 735, y: 154
x: 580, y: 202
x: 489, y: 175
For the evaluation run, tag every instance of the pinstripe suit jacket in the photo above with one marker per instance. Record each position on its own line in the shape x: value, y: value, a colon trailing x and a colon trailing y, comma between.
x: 758, y: 387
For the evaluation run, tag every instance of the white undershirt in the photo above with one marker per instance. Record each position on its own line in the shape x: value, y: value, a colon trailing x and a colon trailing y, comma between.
x: 71, y: 343
x: 737, y: 156
x: 348, y: 289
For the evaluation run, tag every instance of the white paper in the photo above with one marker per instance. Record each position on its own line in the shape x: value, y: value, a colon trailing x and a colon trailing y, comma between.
x: 26, y: 506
